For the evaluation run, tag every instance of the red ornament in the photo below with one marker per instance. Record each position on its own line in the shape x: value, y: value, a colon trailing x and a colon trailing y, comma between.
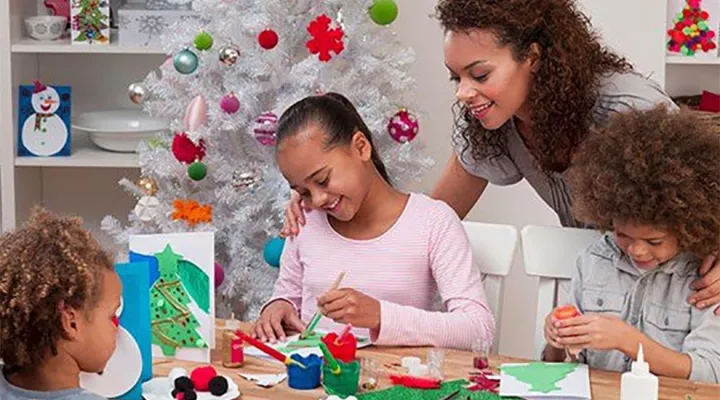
x: 704, y: 15
x: 185, y: 150
x: 403, y: 126
x: 201, y: 377
x: 268, y: 39
x: 325, y: 39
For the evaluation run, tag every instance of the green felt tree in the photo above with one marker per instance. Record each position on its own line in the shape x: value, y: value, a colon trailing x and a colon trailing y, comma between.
x: 541, y: 377
x: 173, y: 324
x: 91, y: 21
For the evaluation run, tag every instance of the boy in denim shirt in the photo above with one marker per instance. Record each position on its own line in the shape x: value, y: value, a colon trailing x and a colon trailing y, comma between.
x: 652, y: 179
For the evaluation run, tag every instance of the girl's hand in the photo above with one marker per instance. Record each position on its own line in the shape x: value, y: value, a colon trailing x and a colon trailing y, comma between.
x: 348, y: 306
x: 279, y: 313
x: 597, y: 332
x: 708, y: 286
x: 294, y: 215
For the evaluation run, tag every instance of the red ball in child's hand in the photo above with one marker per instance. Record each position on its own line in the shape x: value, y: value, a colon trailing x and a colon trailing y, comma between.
x: 201, y: 377
x: 565, y: 312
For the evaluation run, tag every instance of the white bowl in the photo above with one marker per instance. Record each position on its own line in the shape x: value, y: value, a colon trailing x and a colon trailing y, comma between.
x: 119, y: 130
x: 46, y: 27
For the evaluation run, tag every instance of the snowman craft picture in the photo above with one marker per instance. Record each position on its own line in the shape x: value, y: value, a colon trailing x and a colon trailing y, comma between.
x: 44, y: 120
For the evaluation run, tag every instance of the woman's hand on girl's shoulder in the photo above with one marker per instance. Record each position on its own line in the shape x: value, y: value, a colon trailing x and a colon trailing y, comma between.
x: 708, y: 285
x: 294, y: 215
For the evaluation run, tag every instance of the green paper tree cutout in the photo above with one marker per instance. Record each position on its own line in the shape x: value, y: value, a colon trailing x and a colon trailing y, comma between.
x: 541, y: 377
x: 90, y: 21
x: 173, y: 326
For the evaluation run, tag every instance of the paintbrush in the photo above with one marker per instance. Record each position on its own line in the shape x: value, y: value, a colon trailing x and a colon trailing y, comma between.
x: 316, y: 318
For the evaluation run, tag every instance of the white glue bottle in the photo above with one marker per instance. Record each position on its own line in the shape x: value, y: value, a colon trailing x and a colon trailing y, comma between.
x: 639, y: 383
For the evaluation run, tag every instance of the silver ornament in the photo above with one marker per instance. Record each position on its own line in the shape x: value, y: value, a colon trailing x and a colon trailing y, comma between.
x: 137, y: 93
x: 228, y: 55
x: 244, y: 180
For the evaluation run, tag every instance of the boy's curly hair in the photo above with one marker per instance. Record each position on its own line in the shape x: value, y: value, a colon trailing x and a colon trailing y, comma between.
x: 655, y: 167
x: 51, y: 259
x: 565, y: 86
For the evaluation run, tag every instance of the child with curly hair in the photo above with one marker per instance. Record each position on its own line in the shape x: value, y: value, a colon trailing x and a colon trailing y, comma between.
x: 58, y: 297
x: 651, y: 178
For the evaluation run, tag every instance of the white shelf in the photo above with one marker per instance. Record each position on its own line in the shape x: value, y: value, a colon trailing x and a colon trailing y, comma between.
x: 30, y: 45
x: 84, y: 155
x: 692, y: 60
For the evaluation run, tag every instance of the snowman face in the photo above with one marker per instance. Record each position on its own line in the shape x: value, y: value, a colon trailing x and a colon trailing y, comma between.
x: 46, y: 102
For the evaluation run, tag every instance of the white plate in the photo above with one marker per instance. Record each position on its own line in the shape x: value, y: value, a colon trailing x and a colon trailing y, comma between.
x: 121, y: 372
x: 119, y: 130
x: 160, y: 388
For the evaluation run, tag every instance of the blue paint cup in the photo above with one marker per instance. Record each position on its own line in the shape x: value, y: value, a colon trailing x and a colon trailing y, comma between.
x: 305, y: 378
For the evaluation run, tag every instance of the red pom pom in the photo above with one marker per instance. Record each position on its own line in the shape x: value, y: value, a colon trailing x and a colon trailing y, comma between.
x: 687, y: 13
x: 268, y: 39
x: 678, y: 37
x: 679, y: 26
x: 704, y: 15
x: 201, y: 377
x: 185, y: 150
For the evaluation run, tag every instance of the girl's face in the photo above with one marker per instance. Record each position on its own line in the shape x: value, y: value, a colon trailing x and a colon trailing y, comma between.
x: 489, y: 81
x: 647, y: 246
x: 335, y: 180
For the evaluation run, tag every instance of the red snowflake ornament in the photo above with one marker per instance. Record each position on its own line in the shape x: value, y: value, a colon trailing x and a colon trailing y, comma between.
x: 325, y: 39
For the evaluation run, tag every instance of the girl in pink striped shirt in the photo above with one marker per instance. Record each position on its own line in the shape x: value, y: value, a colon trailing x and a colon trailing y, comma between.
x: 399, y: 250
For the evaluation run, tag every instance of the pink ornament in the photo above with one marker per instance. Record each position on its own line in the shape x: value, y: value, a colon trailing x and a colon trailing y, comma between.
x: 230, y: 103
x: 195, y: 114
x: 266, y: 128
x: 219, y: 274
x: 403, y: 126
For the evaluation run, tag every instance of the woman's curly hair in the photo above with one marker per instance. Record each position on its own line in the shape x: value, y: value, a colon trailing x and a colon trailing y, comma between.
x: 49, y: 260
x: 565, y: 86
x: 655, y: 167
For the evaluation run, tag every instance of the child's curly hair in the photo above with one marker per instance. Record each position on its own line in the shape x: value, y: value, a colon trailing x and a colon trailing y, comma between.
x: 655, y: 167
x: 565, y: 86
x: 51, y: 259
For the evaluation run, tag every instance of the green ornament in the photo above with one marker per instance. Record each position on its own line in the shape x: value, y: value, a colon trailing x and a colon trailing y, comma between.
x: 384, y: 12
x: 197, y: 171
x: 203, y: 41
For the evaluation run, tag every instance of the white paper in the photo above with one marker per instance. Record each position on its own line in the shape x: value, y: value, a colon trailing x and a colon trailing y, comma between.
x: 198, y: 248
x: 576, y: 385
x: 363, y: 341
x: 121, y: 372
x: 265, y: 380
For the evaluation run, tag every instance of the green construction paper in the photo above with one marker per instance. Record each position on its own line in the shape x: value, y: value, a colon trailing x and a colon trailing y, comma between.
x: 173, y: 326
x: 404, y: 393
x: 168, y: 261
x: 542, y: 377
x: 196, y: 282
x: 313, y: 340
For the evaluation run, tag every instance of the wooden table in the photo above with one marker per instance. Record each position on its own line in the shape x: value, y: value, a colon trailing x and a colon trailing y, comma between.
x: 605, y: 385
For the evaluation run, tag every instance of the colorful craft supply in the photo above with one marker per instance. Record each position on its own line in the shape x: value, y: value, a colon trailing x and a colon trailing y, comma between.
x: 233, y: 354
x: 415, y: 382
x: 305, y: 378
x: 345, y: 351
x: 481, y: 353
x: 316, y: 318
x: 565, y: 312
x: 344, y: 334
x: 267, y: 349
x: 201, y: 377
x: 330, y: 359
x: 346, y: 382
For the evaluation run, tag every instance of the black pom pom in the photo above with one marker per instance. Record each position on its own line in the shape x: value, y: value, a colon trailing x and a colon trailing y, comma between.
x: 218, y: 386
x: 190, y: 395
x: 183, y: 384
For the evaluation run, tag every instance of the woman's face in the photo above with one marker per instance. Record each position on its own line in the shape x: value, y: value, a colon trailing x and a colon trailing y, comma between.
x: 490, y: 82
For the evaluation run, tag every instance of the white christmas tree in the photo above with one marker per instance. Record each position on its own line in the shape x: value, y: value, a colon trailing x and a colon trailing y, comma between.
x: 232, y: 73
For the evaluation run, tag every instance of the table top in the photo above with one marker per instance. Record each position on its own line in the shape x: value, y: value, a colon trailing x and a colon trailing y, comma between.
x: 605, y: 385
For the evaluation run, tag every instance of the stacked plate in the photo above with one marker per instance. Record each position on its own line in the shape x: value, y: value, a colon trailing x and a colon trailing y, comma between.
x: 119, y: 130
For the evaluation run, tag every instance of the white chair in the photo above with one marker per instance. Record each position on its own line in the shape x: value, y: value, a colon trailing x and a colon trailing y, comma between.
x: 550, y: 254
x: 493, y: 249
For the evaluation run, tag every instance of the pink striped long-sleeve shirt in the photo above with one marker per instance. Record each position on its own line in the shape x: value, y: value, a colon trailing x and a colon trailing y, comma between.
x: 424, y: 253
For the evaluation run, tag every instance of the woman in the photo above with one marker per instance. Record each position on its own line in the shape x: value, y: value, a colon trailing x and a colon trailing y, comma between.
x: 532, y: 79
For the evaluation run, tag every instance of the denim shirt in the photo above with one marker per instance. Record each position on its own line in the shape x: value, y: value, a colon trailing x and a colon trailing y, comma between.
x: 654, y: 302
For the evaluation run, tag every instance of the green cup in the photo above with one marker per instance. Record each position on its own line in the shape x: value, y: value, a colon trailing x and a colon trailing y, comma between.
x: 345, y: 383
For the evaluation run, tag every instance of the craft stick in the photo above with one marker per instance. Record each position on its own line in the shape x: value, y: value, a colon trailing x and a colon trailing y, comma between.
x: 332, y: 362
x: 316, y: 318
